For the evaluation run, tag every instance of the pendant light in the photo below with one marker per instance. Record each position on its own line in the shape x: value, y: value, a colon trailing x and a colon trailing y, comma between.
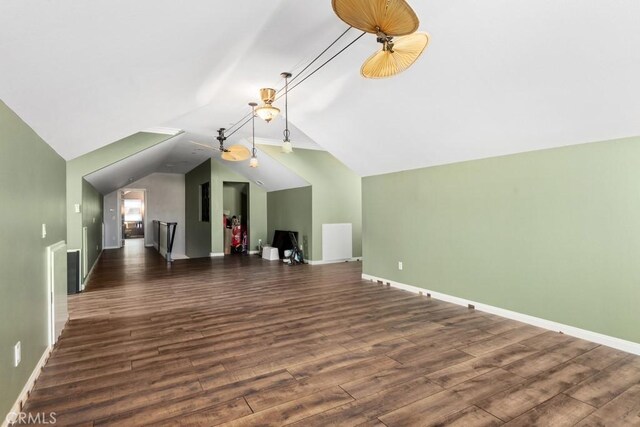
x: 267, y: 112
x: 254, y: 160
x: 286, y: 143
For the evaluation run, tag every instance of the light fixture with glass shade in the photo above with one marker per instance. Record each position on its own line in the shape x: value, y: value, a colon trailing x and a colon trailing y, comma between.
x: 267, y: 112
x: 393, y: 22
x: 286, y: 142
x: 254, y: 159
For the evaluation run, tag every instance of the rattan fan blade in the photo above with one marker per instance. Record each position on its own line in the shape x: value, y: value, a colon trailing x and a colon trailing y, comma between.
x: 236, y: 153
x: 392, y: 17
x: 406, y: 51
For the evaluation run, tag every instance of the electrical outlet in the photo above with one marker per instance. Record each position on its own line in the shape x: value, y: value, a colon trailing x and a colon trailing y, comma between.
x: 17, y: 354
x: 399, y: 265
x: 76, y: 208
x: 44, y: 230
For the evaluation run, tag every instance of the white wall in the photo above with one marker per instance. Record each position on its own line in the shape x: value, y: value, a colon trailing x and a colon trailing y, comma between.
x: 110, y: 218
x: 165, y: 202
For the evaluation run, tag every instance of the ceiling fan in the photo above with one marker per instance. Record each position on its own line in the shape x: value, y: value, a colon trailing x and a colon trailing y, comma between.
x: 235, y: 153
x: 386, y: 19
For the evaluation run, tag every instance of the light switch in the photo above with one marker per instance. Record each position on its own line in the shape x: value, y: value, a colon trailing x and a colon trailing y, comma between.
x: 76, y: 208
x: 17, y: 354
x: 44, y: 230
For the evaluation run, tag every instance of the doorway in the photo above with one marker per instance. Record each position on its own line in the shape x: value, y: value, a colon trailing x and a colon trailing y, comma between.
x: 235, y: 202
x: 132, y: 215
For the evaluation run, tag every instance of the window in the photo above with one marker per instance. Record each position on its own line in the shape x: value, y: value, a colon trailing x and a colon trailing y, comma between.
x: 204, y: 202
x: 132, y: 210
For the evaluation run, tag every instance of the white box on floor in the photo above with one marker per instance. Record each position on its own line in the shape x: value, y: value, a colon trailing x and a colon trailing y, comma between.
x: 270, y: 253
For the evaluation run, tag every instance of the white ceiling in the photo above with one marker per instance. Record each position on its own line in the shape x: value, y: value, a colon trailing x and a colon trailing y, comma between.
x: 500, y: 76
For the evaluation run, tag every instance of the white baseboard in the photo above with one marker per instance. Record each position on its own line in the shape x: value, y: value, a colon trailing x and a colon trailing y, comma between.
x: 150, y: 245
x: 598, y: 338
x: 253, y: 252
x: 24, y: 394
x: 216, y: 254
x: 88, y: 276
x: 322, y: 262
x: 179, y: 256
x: 111, y: 247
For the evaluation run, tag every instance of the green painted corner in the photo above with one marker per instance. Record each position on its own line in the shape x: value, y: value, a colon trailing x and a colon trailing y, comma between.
x: 553, y: 234
x: 92, y: 208
x: 257, y: 207
x: 197, y: 232
x: 292, y: 210
x: 336, y: 194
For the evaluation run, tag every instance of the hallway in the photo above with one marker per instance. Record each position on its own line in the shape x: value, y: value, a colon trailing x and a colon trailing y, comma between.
x: 247, y: 341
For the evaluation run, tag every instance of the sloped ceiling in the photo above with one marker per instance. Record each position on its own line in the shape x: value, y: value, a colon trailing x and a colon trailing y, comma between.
x: 178, y: 155
x: 500, y: 76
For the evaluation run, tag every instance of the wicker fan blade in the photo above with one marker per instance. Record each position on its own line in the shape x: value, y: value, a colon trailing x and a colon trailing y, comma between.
x: 236, y: 153
x: 406, y: 51
x: 392, y: 17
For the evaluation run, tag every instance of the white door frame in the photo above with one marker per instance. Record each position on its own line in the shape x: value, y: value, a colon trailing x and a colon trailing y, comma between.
x: 119, y: 206
x: 51, y: 291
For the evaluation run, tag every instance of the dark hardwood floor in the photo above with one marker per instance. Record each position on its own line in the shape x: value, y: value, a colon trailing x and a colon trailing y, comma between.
x: 242, y: 341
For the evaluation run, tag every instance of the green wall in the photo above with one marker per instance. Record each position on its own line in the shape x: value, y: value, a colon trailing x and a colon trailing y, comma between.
x: 553, y: 234
x: 197, y: 233
x: 218, y: 174
x: 257, y: 207
x: 292, y: 210
x: 232, y: 198
x: 33, y: 193
x: 336, y: 194
x: 80, y: 166
x: 92, y: 204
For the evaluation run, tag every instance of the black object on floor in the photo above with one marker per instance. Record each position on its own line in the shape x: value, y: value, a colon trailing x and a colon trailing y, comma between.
x: 282, y: 241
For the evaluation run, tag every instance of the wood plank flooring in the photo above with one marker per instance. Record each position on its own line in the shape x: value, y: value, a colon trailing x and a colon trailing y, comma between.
x: 241, y: 342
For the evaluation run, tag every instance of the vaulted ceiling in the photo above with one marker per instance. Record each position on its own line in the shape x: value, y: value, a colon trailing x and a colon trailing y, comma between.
x: 500, y: 76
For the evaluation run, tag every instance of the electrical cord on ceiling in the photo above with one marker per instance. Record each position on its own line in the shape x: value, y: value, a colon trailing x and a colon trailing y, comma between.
x: 325, y: 63
x: 295, y: 77
x: 317, y: 57
x: 242, y: 125
x: 247, y: 117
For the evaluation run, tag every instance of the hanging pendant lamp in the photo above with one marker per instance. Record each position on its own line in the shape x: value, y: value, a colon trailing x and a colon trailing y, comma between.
x: 267, y: 112
x: 286, y: 142
x: 254, y: 159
